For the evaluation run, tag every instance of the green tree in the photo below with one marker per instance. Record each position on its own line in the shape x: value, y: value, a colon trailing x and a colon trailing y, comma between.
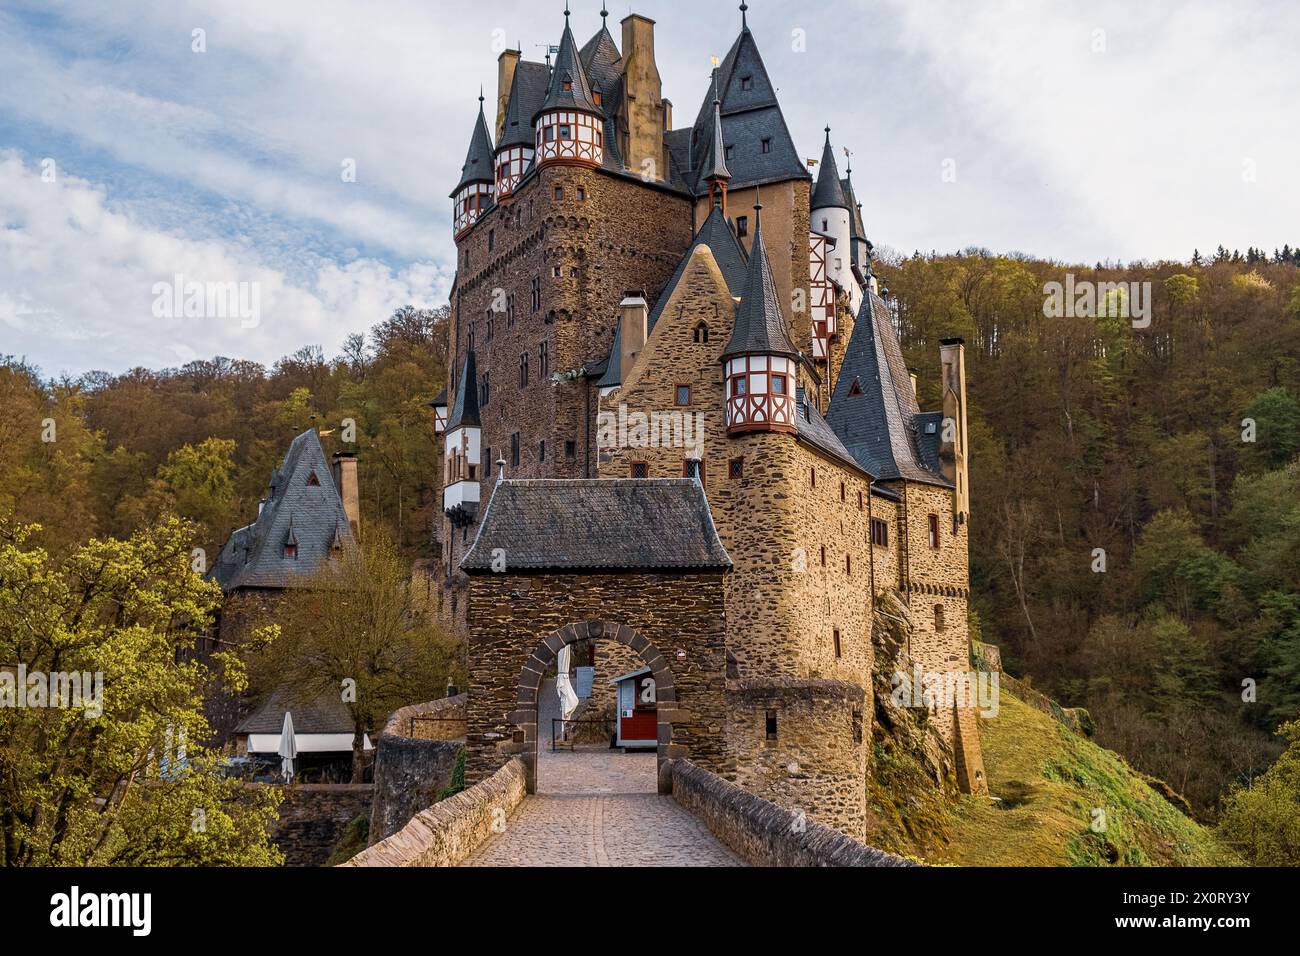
x: 1262, y: 820
x: 1277, y: 419
x: 361, y: 630
x: 84, y: 785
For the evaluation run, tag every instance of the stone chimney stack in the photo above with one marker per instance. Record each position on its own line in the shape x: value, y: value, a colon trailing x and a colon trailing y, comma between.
x: 643, y: 94
x: 952, y: 437
x: 506, y: 64
x: 633, y: 330
x: 345, y: 480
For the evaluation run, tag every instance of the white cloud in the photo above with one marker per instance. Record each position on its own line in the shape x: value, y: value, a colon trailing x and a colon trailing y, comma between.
x: 228, y: 161
x: 79, y: 279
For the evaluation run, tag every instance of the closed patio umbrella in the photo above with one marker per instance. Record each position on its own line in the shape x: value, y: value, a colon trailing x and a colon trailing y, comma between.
x: 288, y: 747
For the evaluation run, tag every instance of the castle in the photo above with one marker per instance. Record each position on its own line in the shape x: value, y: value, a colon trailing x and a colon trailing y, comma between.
x: 680, y: 429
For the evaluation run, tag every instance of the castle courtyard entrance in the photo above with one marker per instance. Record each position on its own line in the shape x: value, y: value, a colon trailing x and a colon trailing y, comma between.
x: 598, y: 806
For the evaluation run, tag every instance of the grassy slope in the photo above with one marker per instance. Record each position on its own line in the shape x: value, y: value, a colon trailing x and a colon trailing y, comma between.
x: 1049, y: 780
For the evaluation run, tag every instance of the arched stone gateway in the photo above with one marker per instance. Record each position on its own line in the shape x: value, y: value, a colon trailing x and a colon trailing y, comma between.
x: 633, y: 562
x: 544, y: 656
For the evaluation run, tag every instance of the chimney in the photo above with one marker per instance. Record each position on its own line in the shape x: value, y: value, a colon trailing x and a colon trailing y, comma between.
x: 506, y: 64
x: 345, y: 480
x: 643, y: 94
x: 952, y: 436
x: 668, y: 116
x: 633, y: 329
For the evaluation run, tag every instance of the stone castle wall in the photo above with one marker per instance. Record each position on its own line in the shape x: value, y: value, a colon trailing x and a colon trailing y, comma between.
x: 514, y: 621
x: 815, y: 760
x: 760, y: 832
x: 800, y: 547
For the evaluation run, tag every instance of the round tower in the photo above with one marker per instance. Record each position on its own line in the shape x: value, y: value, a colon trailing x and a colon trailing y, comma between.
x: 832, y: 218
x: 762, y: 365
x: 473, y: 195
x: 570, y: 126
x: 515, y: 150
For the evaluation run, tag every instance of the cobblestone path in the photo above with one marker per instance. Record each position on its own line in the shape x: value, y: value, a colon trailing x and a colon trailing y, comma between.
x: 598, y: 807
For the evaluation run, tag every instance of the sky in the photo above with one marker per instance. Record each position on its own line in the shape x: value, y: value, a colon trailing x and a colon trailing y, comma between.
x: 138, y: 157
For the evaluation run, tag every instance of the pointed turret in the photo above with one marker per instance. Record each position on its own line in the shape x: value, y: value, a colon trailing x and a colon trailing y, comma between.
x: 761, y: 362
x: 460, y: 494
x: 752, y: 123
x: 829, y: 193
x: 857, y: 231
x: 831, y: 219
x: 473, y: 194
x: 716, y: 174
x: 518, y: 138
x: 570, y: 124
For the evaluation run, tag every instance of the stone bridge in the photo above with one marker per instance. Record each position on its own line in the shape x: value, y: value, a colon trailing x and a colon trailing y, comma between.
x: 601, y: 807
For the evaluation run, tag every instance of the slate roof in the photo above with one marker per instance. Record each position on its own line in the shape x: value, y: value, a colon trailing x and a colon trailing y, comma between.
x: 600, y: 57
x: 830, y: 191
x: 716, y: 233
x: 929, y: 435
x: 527, y: 93
x: 465, y: 412
x: 598, y: 525
x: 568, y: 67
x: 857, y: 231
x: 716, y: 166
x: 878, y: 424
x: 298, y: 510
x: 812, y: 428
x: 479, y: 161
x: 748, y: 117
x: 326, y: 714
x: 760, y: 322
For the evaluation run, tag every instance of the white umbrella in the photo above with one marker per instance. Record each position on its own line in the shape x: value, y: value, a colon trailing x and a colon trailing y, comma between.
x: 288, y: 747
x: 564, y: 684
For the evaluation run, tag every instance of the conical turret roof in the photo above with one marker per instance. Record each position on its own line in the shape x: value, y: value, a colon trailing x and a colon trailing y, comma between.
x: 527, y: 93
x: 464, y: 413
x: 479, y: 164
x: 717, y: 167
x: 829, y: 192
x: 569, y: 72
x: 760, y: 322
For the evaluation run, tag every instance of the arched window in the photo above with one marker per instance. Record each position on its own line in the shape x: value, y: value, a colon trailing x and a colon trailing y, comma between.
x: 702, y: 333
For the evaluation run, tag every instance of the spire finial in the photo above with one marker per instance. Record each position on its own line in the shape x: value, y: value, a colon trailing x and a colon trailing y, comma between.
x: 566, y: 9
x: 758, y: 207
x: 744, y: 18
x: 480, y: 96
x: 828, y: 135
x: 604, y: 14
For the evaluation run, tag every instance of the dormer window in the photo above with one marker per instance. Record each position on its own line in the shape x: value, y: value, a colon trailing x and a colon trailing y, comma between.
x: 568, y: 86
x: 598, y: 98
x: 313, y: 481
x: 746, y: 83
x: 767, y: 145
x: 291, y: 551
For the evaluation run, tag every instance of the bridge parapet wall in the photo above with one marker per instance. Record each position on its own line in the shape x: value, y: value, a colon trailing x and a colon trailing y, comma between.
x: 450, y: 831
x: 762, y: 833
